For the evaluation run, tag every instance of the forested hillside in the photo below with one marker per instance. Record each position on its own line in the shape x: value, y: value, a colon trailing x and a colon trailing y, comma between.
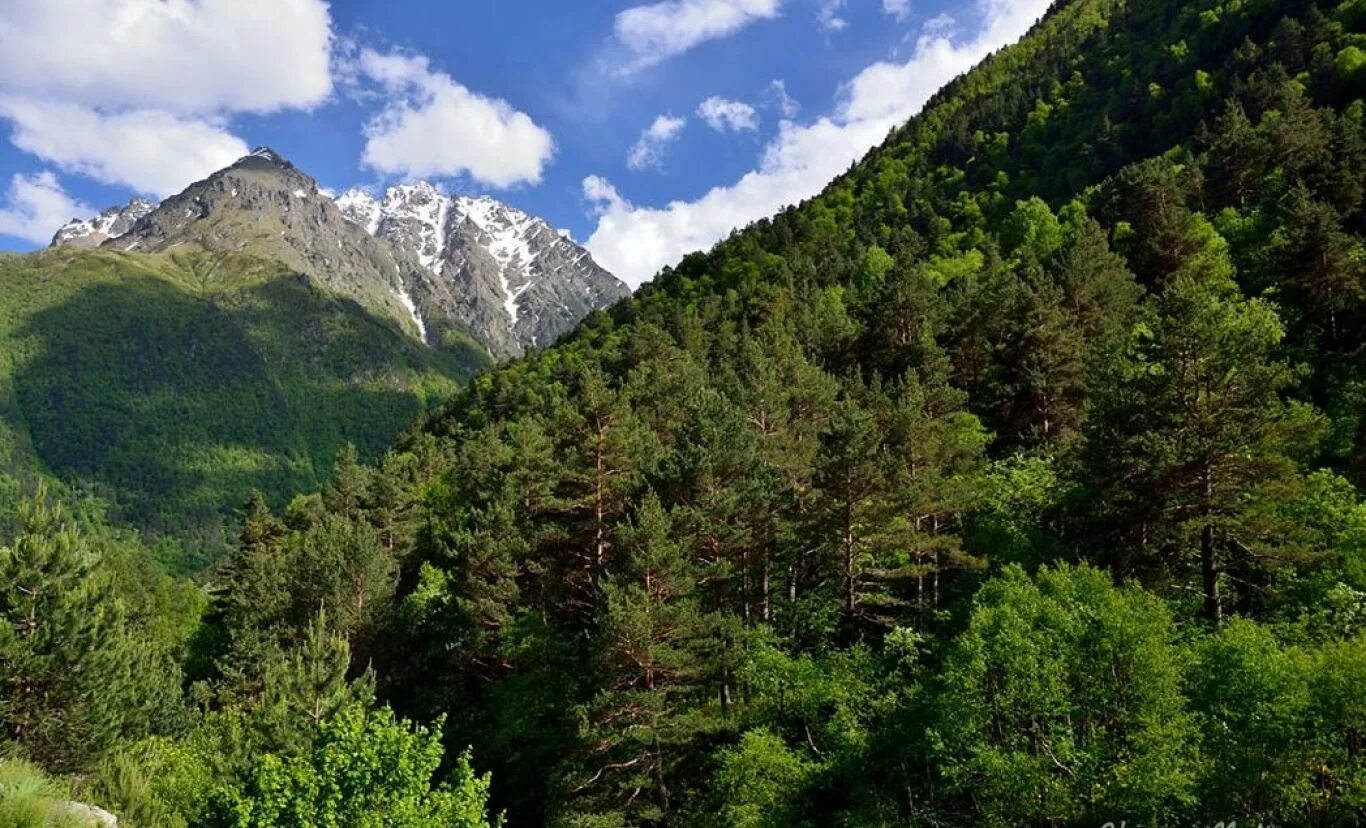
x: 1014, y: 480
x: 172, y: 385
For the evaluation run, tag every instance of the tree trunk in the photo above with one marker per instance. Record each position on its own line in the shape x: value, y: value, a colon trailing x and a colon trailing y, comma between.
x: 1210, y: 574
x: 1209, y: 567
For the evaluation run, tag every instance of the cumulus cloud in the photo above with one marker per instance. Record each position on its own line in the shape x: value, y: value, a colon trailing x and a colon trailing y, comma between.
x: 658, y: 31
x: 723, y: 114
x: 601, y: 196
x: 146, y: 150
x: 138, y: 92
x: 636, y: 241
x: 649, y: 149
x: 434, y: 126
x: 899, y: 9
x: 35, y: 206
x: 207, y: 56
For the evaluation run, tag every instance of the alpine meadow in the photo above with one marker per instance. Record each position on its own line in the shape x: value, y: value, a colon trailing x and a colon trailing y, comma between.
x: 1016, y: 479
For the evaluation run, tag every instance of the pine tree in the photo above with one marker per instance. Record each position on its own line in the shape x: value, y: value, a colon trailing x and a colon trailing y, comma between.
x: 1194, y: 429
x: 304, y: 685
x: 635, y: 730
x: 934, y: 465
x: 608, y: 451
x: 73, y: 679
x: 252, y: 611
x: 850, y: 503
x: 1237, y: 156
x: 341, y: 567
x: 787, y: 402
x: 348, y: 491
x: 1321, y: 271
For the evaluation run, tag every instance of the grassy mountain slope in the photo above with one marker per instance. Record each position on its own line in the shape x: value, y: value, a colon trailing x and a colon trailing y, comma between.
x: 173, y: 384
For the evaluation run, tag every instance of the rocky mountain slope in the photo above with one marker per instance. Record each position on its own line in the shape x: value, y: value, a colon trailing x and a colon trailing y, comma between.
x: 517, y: 282
x: 263, y: 206
x: 452, y: 271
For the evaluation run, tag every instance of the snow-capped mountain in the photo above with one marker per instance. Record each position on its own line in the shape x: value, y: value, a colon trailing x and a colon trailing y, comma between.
x: 438, y: 265
x: 110, y: 224
x: 518, y: 282
x: 264, y: 208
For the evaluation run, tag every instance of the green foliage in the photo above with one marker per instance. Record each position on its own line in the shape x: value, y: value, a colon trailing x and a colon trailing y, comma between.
x: 174, y: 393
x: 757, y: 780
x: 1195, y: 436
x: 1061, y: 703
x: 1014, y: 478
x: 363, y: 769
x: 1032, y: 227
x: 76, y: 675
x: 30, y: 799
x: 1282, y: 726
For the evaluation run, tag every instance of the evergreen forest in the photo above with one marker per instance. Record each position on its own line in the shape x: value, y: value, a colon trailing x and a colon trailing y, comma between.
x: 1016, y: 479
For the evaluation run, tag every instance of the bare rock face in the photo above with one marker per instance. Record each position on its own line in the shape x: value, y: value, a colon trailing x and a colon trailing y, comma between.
x: 516, y: 282
x: 440, y: 266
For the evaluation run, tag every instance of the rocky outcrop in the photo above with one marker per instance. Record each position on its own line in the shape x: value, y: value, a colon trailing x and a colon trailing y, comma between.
x: 512, y: 279
x: 79, y: 813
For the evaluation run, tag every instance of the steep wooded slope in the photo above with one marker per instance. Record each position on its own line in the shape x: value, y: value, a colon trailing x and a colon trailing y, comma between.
x: 1102, y: 300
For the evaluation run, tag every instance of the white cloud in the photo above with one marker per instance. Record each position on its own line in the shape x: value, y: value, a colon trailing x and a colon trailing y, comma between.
x: 649, y: 149
x: 656, y: 32
x: 601, y: 196
x: 722, y: 114
x: 787, y: 105
x: 205, y: 56
x: 829, y: 16
x: 434, y: 126
x: 35, y: 206
x: 138, y: 92
x: 900, y: 9
x: 634, y: 242
x: 146, y: 150
x: 941, y: 24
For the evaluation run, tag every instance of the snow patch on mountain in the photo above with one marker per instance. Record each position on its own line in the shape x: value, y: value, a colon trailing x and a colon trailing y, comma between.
x: 521, y: 282
x: 361, y: 208
x: 109, y: 224
x: 510, y: 233
x: 407, y: 299
x: 427, y: 207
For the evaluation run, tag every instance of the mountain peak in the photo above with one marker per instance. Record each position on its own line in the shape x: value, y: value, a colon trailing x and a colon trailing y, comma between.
x: 266, y: 154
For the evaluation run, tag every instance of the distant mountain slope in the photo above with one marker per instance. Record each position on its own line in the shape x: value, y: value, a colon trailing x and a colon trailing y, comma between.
x: 453, y: 271
x: 516, y: 281
x: 265, y: 207
x: 174, y: 356
x: 174, y: 383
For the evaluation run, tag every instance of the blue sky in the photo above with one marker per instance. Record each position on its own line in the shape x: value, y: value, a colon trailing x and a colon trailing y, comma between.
x: 647, y: 129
